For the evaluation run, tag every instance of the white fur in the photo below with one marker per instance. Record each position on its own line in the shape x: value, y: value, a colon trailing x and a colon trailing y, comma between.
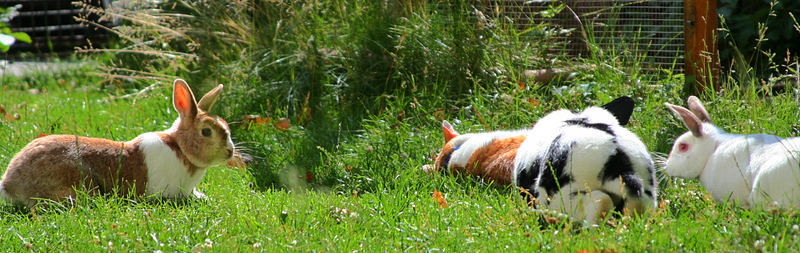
x: 593, y: 206
x: 691, y: 163
x: 727, y: 174
x: 229, y: 142
x: 599, y: 115
x: 593, y: 147
x: 544, y: 132
x: 167, y: 176
x: 738, y: 164
x: 225, y: 126
x: 640, y: 158
x: 174, y: 127
x: 753, y: 170
x: 587, y: 149
x: 778, y: 179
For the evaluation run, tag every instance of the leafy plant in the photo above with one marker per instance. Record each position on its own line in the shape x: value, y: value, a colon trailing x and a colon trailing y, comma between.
x: 8, y: 37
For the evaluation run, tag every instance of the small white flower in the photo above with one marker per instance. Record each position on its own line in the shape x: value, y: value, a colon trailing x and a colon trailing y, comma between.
x: 7, y: 40
x: 758, y: 243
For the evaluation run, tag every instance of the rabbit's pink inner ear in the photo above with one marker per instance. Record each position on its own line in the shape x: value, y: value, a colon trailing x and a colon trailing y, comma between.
x: 698, y: 109
x: 688, y: 118
x: 449, y: 132
x: 183, y: 99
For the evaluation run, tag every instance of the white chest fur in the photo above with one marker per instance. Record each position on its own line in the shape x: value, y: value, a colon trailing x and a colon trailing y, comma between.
x: 166, y: 174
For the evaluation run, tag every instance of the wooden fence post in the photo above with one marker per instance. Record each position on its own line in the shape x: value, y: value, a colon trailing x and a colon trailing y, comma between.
x: 700, y: 34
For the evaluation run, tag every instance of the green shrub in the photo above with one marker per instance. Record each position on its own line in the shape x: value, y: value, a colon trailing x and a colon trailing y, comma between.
x: 7, y: 37
x: 759, y: 33
x: 330, y: 67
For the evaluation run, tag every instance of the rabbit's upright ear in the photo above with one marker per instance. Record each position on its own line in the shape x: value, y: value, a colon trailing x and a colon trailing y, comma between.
x: 207, y: 101
x: 621, y: 108
x: 698, y: 109
x: 688, y: 118
x: 183, y: 99
x: 449, y: 132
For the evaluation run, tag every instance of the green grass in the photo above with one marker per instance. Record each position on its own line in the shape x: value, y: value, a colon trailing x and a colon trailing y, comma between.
x: 368, y: 192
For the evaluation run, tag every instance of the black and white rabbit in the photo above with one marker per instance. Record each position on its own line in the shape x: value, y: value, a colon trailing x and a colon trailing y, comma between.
x: 754, y: 170
x: 585, y: 164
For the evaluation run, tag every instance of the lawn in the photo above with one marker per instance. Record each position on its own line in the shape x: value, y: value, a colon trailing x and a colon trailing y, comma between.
x: 364, y: 108
x: 371, y: 194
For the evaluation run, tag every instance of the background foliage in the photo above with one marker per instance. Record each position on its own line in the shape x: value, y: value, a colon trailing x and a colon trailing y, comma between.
x: 759, y: 33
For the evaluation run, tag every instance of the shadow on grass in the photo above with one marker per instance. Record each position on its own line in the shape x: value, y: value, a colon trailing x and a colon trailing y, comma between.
x: 85, y: 201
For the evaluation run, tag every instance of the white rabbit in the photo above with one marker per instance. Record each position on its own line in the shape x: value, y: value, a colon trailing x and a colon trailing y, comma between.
x: 754, y: 170
x: 165, y: 164
x: 585, y: 164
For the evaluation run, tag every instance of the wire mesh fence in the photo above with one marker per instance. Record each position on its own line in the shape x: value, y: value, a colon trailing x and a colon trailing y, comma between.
x: 652, y: 30
x: 52, y: 26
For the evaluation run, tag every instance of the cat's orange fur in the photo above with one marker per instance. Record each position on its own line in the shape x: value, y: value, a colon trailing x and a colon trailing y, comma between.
x: 494, y: 161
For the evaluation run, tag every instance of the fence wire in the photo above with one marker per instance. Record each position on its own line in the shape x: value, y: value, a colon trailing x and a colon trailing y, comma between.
x: 651, y: 30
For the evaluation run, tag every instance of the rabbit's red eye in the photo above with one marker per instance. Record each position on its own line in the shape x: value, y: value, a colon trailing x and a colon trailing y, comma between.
x: 683, y: 147
x: 206, y: 132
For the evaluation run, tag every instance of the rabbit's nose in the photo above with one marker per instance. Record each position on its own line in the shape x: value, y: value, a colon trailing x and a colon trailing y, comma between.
x: 230, y: 152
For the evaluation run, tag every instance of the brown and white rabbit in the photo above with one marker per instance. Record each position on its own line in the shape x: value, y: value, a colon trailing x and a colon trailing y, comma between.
x: 585, y: 164
x: 166, y: 164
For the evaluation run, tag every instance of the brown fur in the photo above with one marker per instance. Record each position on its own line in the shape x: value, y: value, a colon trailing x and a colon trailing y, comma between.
x: 201, y: 152
x: 438, y: 163
x: 52, y: 167
x: 494, y: 161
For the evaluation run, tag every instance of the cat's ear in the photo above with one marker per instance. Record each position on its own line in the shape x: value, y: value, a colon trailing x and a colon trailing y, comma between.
x: 621, y: 108
x: 449, y: 132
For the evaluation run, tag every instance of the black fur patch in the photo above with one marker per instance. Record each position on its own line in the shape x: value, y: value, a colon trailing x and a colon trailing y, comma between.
x: 583, y: 122
x: 552, y: 167
x: 548, y: 169
x: 619, y: 202
x: 527, y: 179
x: 621, y: 108
x: 648, y: 193
x: 619, y: 166
x: 653, y: 180
x: 447, y: 159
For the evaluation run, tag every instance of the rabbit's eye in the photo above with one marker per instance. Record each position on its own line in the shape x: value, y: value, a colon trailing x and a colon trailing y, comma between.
x: 683, y: 147
x: 206, y: 132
